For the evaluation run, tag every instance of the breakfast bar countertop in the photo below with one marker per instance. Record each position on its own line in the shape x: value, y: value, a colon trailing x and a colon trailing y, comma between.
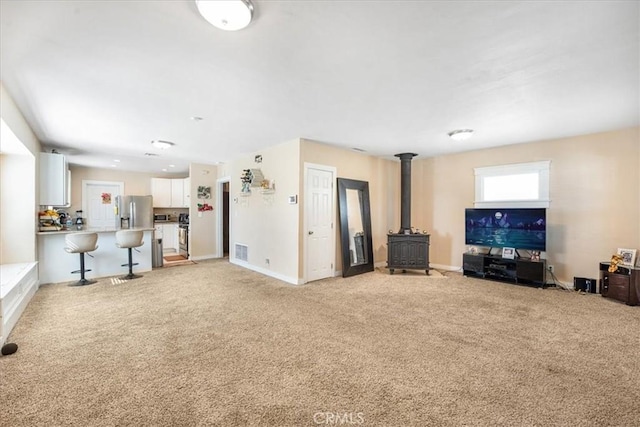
x: 56, y: 265
x: 88, y: 230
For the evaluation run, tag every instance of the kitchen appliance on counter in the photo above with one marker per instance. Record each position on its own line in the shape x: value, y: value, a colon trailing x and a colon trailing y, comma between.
x: 134, y: 212
x: 162, y: 217
x: 79, y: 220
x: 183, y: 218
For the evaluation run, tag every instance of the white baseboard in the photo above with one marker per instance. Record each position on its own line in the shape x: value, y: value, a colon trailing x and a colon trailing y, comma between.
x: 266, y: 272
x: 445, y: 267
x: 203, y: 257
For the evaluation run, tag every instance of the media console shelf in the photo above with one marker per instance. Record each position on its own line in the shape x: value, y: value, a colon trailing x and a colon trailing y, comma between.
x: 494, y: 267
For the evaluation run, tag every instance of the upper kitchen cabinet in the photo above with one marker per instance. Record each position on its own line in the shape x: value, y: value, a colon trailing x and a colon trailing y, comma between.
x: 187, y: 192
x: 161, y: 192
x: 177, y: 193
x: 169, y: 193
x: 55, y: 180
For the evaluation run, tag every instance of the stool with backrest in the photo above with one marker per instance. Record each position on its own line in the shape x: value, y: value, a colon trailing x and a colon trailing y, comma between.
x: 129, y: 239
x: 81, y: 243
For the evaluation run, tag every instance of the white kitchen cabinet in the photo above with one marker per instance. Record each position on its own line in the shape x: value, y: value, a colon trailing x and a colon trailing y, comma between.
x: 158, y: 232
x: 169, y: 237
x: 187, y: 192
x: 54, y: 179
x: 177, y: 193
x: 169, y: 193
x: 161, y: 192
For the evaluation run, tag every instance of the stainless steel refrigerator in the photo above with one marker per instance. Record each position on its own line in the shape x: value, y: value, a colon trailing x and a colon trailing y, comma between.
x: 134, y: 212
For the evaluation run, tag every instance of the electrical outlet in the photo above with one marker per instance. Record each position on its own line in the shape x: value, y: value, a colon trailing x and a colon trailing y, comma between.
x: 550, y: 268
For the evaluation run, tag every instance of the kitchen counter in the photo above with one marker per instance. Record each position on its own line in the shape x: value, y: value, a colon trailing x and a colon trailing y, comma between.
x: 55, y: 264
x: 88, y: 230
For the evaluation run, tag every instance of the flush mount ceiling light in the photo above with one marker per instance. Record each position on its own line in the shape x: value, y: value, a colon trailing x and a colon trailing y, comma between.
x: 230, y: 15
x: 162, y: 145
x: 461, y: 134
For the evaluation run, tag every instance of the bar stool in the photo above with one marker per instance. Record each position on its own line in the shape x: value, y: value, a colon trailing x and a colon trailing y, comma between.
x: 129, y: 239
x: 81, y: 243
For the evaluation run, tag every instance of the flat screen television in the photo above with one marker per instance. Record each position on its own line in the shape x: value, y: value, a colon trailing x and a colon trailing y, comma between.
x: 524, y: 228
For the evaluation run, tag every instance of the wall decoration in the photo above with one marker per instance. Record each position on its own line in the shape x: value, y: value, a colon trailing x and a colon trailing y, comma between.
x: 202, y: 207
x: 245, y: 178
x: 106, y: 198
x: 628, y: 257
x: 258, y: 158
x: 204, y: 192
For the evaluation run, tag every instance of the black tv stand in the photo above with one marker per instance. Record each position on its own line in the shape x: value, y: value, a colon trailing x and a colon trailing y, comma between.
x: 494, y: 267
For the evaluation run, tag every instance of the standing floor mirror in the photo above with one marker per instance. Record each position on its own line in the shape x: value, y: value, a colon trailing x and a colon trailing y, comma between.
x: 355, y: 227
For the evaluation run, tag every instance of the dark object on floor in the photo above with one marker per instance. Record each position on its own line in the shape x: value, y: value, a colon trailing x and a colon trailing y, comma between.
x: 10, y: 348
x: 584, y: 284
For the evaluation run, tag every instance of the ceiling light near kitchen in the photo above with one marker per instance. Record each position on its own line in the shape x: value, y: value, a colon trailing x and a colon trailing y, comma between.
x: 230, y: 15
x: 461, y: 134
x: 162, y: 145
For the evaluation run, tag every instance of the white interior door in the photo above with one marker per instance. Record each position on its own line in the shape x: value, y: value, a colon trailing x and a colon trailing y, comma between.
x: 319, y: 219
x: 98, y: 201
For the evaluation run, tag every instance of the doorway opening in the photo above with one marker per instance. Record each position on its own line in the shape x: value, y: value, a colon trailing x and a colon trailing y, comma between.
x: 224, y: 219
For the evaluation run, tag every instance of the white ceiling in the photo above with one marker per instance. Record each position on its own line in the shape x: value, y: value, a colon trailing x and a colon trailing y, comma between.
x: 98, y: 80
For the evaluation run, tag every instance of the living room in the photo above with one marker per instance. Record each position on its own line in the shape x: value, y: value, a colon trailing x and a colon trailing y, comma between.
x: 255, y: 341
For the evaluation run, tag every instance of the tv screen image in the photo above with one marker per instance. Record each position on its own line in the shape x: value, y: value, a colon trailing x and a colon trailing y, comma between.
x: 523, y: 228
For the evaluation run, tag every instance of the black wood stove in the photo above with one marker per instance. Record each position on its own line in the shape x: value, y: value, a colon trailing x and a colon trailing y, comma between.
x: 407, y: 249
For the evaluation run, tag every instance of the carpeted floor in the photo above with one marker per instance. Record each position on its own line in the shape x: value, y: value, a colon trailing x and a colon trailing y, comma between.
x: 215, y: 344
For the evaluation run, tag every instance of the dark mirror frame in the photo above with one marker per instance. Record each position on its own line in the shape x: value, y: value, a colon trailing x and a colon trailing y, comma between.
x: 365, y: 210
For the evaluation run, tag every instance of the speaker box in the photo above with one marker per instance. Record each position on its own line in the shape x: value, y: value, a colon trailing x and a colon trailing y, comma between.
x: 584, y: 284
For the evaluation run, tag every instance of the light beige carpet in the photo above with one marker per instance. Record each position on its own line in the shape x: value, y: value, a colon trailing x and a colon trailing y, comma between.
x: 215, y: 344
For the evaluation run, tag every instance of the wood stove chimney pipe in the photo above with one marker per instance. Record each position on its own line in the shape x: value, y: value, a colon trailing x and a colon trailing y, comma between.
x: 405, y: 191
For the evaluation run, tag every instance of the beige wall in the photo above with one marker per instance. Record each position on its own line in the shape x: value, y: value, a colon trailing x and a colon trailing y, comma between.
x: 267, y: 223
x: 595, y: 201
x: 135, y: 183
x: 202, y: 225
x: 18, y: 189
x: 384, y: 191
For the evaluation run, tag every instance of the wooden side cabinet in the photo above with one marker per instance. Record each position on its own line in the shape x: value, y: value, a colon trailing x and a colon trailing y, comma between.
x: 623, y: 285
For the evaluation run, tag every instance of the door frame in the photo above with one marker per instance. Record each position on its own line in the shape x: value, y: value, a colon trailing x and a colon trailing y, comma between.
x: 86, y: 182
x: 305, y: 214
x: 219, y: 218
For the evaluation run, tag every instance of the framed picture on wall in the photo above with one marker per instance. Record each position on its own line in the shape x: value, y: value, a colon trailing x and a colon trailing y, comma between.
x: 204, y: 192
x: 628, y: 256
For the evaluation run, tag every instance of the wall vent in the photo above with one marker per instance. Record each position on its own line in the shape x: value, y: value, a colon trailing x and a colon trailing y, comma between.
x: 242, y: 252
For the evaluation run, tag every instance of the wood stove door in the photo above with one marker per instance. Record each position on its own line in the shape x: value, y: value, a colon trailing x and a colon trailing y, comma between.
x: 355, y: 227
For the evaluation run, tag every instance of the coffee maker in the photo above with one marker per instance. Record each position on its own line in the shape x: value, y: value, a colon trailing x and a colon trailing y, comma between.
x: 79, y: 220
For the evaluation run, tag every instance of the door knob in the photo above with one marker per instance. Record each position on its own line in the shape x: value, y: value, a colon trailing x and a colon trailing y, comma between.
x: 310, y: 233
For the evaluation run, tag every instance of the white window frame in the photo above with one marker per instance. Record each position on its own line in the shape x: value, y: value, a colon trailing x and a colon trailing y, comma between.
x: 540, y: 168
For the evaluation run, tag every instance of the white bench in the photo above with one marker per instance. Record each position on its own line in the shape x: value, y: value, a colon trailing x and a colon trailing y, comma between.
x: 18, y: 283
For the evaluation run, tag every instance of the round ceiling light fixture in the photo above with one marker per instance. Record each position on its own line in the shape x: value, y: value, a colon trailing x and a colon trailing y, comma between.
x: 230, y: 15
x: 162, y: 145
x: 461, y: 134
